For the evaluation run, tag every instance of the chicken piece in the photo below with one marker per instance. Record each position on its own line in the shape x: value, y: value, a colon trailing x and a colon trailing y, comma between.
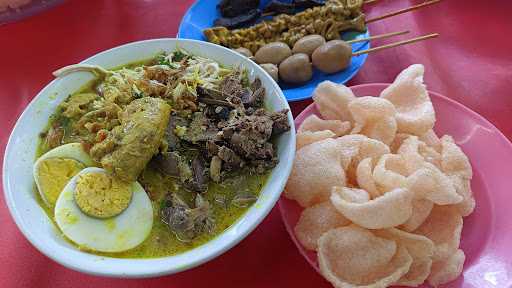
x: 76, y: 105
x: 130, y: 146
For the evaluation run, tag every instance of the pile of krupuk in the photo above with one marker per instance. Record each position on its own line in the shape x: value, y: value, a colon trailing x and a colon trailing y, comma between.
x: 384, y: 196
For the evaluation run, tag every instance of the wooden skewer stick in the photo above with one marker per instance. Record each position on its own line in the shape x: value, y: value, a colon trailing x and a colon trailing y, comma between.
x: 369, y: 1
x: 382, y: 36
x: 415, y: 7
x: 399, y: 43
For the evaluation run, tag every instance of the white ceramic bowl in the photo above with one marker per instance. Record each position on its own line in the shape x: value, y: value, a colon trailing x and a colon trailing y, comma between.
x: 19, y: 157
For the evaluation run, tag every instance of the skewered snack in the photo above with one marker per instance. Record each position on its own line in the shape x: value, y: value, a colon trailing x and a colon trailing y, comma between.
x: 328, y: 20
x: 274, y: 53
x: 240, y: 20
x: 307, y: 32
x: 272, y: 70
x: 332, y: 56
x: 244, y: 51
x: 335, y: 55
x: 233, y: 8
x: 308, y: 44
x: 296, y: 69
x: 278, y: 7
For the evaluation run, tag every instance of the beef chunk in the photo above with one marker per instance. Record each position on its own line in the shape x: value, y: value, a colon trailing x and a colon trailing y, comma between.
x: 170, y: 136
x: 260, y: 166
x: 232, y: 87
x: 203, y: 92
x: 280, y: 122
x: 212, y: 149
x: 186, y: 222
x: 167, y: 163
x: 253, y: 99
x: 230, y: 158
x: 215, y: 168
x: 200, y: 129
x: 199, y: 179
x: 248, y: 136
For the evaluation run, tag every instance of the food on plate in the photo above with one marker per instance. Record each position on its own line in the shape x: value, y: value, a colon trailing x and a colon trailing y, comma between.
x: 232, y: 8
x: 237, y: 13
x: 313, y: 186
x: 244, y: 51
x: 313, y: 123
x: 332, y: 100
x: 384, y: 197
x: 296, y: 69
x: 445, y: 271
x: 272, y: 70
x: 328, y: 20
x: 315, y: 221
x: 308, y: 44
x: 308, y: 137
x: 274, y: 53
x: 238, y: 21
x: 332, y: 56
x: 373, y: 117
x: 275, y: 6
x: 389, y: 210
x: 355, y: 257
x: 156, y: 157
x: 310, y: 27
x: 415, y: 113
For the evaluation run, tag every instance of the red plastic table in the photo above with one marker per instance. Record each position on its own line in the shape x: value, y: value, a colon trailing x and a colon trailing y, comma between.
x: 471, y: 62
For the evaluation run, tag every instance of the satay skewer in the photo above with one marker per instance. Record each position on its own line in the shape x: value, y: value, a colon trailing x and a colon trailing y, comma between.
x: 273, y: 13
x: 399, y: 43
x: 382, y: 36
x: 401, y: 11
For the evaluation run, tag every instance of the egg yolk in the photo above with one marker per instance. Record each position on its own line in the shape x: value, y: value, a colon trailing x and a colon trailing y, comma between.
x: 101, y: 195
x: 54, y: 174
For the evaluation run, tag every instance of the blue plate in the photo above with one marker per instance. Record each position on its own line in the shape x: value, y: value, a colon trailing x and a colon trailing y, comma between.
x: 202, y: 14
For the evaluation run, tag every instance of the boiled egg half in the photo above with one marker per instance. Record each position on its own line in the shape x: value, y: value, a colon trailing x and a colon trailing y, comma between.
x: 54, y: 169
x: 101, y: 213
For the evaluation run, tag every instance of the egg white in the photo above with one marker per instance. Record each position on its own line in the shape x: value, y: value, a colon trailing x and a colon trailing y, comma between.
x: 71, y: 151
x: 119, y: 233
x: 68, y: 151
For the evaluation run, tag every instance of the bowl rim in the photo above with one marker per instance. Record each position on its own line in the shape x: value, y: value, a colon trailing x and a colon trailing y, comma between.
x: 161, y: 269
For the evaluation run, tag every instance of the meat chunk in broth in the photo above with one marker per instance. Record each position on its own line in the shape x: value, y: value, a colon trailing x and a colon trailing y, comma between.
x: 128, y: 148
x: 186, y: 222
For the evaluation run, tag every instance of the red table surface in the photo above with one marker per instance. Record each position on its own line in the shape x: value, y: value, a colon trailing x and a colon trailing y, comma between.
x: 471, y: 62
